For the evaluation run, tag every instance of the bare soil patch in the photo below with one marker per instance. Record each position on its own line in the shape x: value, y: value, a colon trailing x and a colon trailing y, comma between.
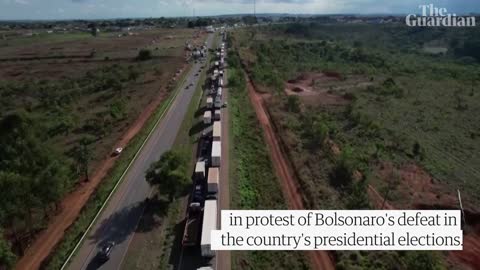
x: 414, y: 188
x: 325, y: 88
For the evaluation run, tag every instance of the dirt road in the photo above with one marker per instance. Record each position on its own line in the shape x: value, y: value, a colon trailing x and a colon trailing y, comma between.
x: 320, y: 260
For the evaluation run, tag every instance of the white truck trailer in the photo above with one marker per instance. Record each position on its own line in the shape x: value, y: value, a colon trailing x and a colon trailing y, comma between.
x: 209, y: 102
x: 217, y: 131
x: 209, y: 224
x: 207, y: 117
x: 216, y: 153
x: 213, y: 180
x: 200, y: 170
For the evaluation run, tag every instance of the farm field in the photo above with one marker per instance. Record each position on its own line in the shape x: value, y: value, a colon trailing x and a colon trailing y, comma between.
x: 67, y: 101
x: 370, y: 120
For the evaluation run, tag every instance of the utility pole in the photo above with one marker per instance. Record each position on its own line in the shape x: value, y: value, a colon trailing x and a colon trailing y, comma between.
x: 461, y: 207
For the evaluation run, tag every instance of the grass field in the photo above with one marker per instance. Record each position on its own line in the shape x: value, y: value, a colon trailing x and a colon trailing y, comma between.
x: 355, y: 111
x: 82, y: 94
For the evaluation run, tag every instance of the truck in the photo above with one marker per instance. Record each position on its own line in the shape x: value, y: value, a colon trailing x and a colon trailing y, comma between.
x: 213, y: 180
x: 192, y: 226
x: 217, y: 131
x: 209, y: 224
x: 209, y: 102
x: 218, y: 102
x: 216, y: 153
x: 207, y: 117
x: 200, y: 170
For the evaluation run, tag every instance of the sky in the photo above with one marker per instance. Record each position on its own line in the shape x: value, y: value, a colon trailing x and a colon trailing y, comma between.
x: 106, y: 9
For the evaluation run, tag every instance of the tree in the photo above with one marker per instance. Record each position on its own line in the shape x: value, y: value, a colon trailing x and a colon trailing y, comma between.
x: 358, y: 197
x: 169, y: 174
x: 423, y: 260
x: 293, y: 104
x: 144, y: 54
x: 32, y: 174
x: 133, y: 73
x: 7, y: 258
x: 342, y: 174
x: 84, y: 155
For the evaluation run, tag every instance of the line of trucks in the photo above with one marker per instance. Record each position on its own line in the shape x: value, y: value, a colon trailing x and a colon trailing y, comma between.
x: 202, y: 210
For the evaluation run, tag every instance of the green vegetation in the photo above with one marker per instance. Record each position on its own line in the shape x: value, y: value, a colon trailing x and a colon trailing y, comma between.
x: 253, y: 183
x: 7, y: 258
x: 373, y: 98
x: 169, y: 174
x: 32, y: 179
x: 74, y: 233
x: 144, y: 54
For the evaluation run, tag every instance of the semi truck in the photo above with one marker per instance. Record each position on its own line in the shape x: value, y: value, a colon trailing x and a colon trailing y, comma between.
x: 192, y: 226
x: 217, y: 115
x: 209, y: 224
x: 216, y: 153
x: 217, y: 131
x: 200, y: 170
x: 213, y: 180
x: 209, y: 102
x: 207, y: 117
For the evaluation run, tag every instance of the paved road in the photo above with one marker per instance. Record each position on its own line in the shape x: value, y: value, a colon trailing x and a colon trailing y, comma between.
x: 120, y: 218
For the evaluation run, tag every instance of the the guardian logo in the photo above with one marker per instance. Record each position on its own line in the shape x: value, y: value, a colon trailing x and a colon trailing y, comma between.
x: 435, y: 17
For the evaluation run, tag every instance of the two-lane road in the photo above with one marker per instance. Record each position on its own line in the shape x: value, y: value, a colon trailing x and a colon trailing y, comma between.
x: 120, y: 217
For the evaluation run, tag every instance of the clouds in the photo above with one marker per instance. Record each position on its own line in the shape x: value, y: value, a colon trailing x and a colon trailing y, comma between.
x: 96, y: 9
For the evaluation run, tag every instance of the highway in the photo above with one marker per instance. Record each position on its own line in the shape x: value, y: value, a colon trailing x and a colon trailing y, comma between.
x: 120, y: 217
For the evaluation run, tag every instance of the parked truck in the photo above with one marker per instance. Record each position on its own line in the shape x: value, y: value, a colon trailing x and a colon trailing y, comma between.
x: 200, y: 170
x: 217, y: 131
x: 216, y: 153
x: 192, y: 226
x: 209, y: 224
x: 209, y: 102
x: 207, y: 117
x: 218, y: 102
x: 213, y: 180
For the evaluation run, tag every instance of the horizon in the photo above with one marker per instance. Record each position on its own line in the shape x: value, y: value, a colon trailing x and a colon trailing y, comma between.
x: 61, y: 10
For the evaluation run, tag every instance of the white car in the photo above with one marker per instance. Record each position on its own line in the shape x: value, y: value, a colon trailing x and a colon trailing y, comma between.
x: 118, y: 151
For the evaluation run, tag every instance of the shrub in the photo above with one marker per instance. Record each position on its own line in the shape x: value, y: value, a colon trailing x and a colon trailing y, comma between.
x: 144, y: 54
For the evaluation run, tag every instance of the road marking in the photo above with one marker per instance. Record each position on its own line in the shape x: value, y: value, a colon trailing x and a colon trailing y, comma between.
x: 119, y: 181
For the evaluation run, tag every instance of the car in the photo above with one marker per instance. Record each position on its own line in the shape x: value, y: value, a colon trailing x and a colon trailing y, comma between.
x: 118, y: 151
x: 104, y: 253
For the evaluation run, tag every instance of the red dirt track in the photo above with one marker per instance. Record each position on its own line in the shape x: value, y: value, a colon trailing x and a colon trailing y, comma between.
x: 72, y: 204
x: 320, y: 260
